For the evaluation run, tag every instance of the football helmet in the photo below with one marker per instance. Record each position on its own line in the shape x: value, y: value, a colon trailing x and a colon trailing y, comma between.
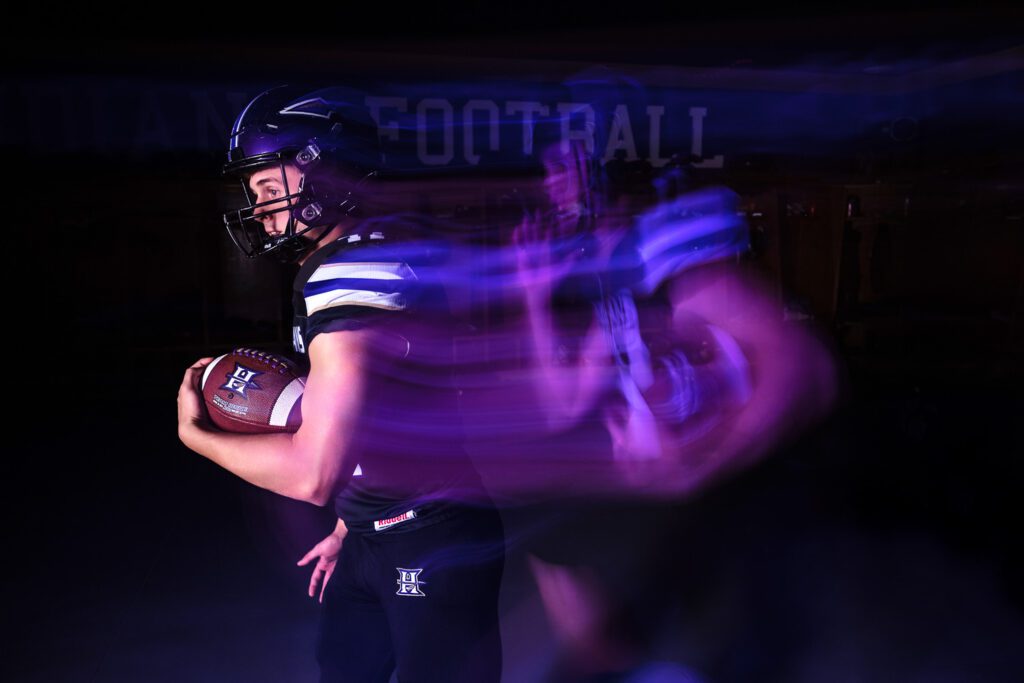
x: 331, y: 139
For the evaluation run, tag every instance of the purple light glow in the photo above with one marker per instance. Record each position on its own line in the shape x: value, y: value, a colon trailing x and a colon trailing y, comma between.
x: 618, y: 368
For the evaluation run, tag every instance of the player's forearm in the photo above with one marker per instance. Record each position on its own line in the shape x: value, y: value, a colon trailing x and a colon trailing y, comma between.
x: 269, y: 461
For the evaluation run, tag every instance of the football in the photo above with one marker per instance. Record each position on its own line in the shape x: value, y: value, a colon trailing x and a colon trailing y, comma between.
x: 253, y: 392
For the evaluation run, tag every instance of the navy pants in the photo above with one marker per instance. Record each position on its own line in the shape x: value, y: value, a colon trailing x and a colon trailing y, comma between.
x: 423, y: 601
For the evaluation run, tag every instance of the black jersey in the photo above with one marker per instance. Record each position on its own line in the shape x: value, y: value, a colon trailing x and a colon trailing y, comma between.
x: 412, y: 468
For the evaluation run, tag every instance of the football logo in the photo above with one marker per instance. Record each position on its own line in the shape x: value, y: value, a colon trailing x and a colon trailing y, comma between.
x: 240, y: 379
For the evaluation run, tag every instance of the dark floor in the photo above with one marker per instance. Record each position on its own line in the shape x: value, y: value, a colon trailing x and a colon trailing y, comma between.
x: 880, y: 546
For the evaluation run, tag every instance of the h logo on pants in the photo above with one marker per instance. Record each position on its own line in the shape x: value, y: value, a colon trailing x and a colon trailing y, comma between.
x: 409, y: 582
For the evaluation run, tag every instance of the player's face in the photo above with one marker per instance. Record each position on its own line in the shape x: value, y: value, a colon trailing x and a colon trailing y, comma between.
x: 561, y: 179
x: 269, y: 184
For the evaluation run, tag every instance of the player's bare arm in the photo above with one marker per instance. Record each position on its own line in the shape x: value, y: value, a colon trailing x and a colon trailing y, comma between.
x: 568, y: 391
x: 308, y: 465
x: 334, y: 396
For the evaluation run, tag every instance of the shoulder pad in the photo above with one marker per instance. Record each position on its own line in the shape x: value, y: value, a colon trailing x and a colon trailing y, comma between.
x: 342, y: 282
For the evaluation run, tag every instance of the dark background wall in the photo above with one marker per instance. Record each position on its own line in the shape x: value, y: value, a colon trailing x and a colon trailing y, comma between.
x: 882, y: 543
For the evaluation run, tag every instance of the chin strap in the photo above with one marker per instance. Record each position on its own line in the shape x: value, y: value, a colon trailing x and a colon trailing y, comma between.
x: 289, y: 248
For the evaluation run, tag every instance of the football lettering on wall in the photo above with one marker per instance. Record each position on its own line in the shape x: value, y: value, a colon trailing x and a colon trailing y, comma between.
x: 447, y: 119
x: 432, y: 126
x: 817, y: 114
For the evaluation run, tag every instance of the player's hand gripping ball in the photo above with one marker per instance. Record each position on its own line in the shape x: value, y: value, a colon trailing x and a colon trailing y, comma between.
x: 253, y: 392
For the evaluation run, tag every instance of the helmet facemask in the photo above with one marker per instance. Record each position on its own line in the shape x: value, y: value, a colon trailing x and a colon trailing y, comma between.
x: 306, y: 210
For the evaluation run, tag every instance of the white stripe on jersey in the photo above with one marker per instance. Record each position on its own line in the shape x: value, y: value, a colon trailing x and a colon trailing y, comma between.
x: 363, y: 271
x: 285, y: 402
x: 394, y: 301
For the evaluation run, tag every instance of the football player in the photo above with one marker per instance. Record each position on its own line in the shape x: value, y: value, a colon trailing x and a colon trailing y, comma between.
x: 409, y: 579
x: 663, y: 365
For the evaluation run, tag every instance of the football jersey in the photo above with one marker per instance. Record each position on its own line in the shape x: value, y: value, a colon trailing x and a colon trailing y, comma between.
x: 412, y: 466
